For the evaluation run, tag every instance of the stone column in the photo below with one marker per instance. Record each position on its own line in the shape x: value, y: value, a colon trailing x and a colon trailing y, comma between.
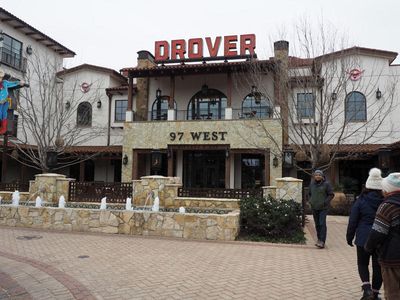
x: 46, y: 186
x: 269, y: 191
x: 145, y: 59
x: 289, y: 188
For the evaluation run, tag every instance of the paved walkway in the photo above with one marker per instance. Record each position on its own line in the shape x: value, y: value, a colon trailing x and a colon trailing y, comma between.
x: 42, y: 265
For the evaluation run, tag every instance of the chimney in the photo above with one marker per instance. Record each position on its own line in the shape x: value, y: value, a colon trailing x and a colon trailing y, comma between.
x: 145, y: 60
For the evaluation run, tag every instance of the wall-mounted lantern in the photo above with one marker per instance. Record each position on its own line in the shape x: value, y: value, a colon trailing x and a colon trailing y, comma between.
x: 288, y: 157
x: 125, y: 160
x: 99, y: 104
x: 67, y: 105
x: 275, y: 162
x: 378, y: 94
x: 384, y: 154
x: 158, y: 93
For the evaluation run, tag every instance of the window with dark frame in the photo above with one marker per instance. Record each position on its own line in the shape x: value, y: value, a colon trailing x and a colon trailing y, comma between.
x: 208, y: 104
x: 159, y: 109
x: 355, y: 107
x: 11, y: 52
x: 305, y: 105
x: 84, y: 114
x: 256, y: 105
x: 120, y: 110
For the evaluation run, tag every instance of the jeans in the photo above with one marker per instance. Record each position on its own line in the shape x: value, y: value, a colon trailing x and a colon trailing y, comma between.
x: 363, y: 258
x: 320, y: 223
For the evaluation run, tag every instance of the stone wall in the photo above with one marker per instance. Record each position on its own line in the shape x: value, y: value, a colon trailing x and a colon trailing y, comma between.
x: 7, y: 196
x: 231, y: 204
x: 146, y: 223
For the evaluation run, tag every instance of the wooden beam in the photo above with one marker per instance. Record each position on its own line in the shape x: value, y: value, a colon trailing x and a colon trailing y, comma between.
x: 227, y: 170
x: 267, y: 167
x: 171, y: 93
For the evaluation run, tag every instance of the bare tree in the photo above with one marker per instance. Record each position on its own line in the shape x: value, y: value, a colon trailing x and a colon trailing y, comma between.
x: 321, y: 106
x: 48, y: 121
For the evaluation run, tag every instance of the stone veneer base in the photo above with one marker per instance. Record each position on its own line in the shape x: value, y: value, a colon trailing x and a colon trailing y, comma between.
x: 146, y: 223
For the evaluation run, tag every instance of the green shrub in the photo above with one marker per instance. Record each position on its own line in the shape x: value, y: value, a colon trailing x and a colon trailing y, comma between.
x: 270, y: 219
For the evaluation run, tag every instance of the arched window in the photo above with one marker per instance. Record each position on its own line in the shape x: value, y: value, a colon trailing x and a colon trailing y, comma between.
x: 159, y: 110
x: 355, y: 107
x: 256, y: 105
x: 84, y: 114
x: 207, y: 104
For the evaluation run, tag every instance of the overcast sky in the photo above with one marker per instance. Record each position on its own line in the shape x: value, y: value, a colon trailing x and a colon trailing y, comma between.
x: 109, y: 33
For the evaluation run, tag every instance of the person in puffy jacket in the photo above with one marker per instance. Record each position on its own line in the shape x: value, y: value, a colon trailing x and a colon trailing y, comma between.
x: 320, y: 195
x: 360, y: 223
x: 385, y: 236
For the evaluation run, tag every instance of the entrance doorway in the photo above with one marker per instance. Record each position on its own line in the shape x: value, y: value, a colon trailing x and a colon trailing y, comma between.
x: 204, y: 169
x: 253, y: 171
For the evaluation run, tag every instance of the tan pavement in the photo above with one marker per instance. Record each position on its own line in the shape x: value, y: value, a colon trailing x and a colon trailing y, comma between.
x: 41, y: 265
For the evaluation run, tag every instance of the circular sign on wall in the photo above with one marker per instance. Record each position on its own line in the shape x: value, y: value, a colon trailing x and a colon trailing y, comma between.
x: 355, y: 74
x: 85, y: 87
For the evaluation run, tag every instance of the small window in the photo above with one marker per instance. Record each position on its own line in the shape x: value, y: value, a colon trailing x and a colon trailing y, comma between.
x: 355, y: 107
x: 84, y: 114
x: 120, y: 110
x: 305, y: 105
x: 11, y: 52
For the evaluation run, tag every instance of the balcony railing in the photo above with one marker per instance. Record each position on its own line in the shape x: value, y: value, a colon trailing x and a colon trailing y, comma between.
x: 13, y: 60
x: 219, y: 193
x: 182, y: 115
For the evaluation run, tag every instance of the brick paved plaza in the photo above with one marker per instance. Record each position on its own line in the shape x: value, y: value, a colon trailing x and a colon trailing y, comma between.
x: 57, y: 265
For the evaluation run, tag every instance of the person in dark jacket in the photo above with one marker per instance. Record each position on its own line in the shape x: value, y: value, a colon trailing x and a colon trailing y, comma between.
x: 320, y: 195
x: 360, y: 223
x: 385, y: 236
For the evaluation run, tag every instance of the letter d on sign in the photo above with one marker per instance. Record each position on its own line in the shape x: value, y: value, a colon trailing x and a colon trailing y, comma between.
x: 161, y: 51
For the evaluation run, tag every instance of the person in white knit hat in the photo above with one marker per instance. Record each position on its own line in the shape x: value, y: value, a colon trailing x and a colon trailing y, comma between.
x: 385, y: 236
x: 360, y: 223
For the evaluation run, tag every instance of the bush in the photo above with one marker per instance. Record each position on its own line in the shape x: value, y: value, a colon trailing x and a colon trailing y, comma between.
x: 271, y: 219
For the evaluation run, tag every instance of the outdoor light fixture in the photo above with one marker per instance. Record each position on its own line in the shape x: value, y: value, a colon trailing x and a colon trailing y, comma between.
x: 275, y: 162
x: 51, y: 159
x: 334, y: 96
x: 99, y: 104
x: 125, y: 160
x: 256, y: 94
x: 29, y: 50
x: 253, y: 89
x: 384, y: 154
x: 288, y: 156
x: 378, y: 94
x: 227, y: 153
x: 67, y: 105
x: 158, y: 93
x: 204, y: 89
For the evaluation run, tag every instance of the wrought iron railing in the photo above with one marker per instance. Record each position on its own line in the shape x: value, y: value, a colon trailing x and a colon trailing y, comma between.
x: 219, y: 193
x: 116, y: 192
x: 14, y: 186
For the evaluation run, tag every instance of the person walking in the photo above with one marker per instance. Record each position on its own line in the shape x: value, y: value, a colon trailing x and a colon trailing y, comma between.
x: 385, y: 236
x: 360, y: 223
x: 320, y: 195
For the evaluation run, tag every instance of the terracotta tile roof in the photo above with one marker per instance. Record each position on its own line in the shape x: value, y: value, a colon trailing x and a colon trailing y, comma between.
x: 195, y: 68
x: 28, y: 30
x: 94, y: 149
x: 76, y: 149
x: 300, y: 62
x: 390, y: 55
x: 112, y: 72
x: 352, y: 148
x: 121, y: 88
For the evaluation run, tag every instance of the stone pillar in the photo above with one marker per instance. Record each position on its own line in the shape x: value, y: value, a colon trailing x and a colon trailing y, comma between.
x: 269, y: 191
x: 145, y: 59
x: 154, y: 186
x: 48, y: 186
x: 63, y: 187
x: 289, y: 188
